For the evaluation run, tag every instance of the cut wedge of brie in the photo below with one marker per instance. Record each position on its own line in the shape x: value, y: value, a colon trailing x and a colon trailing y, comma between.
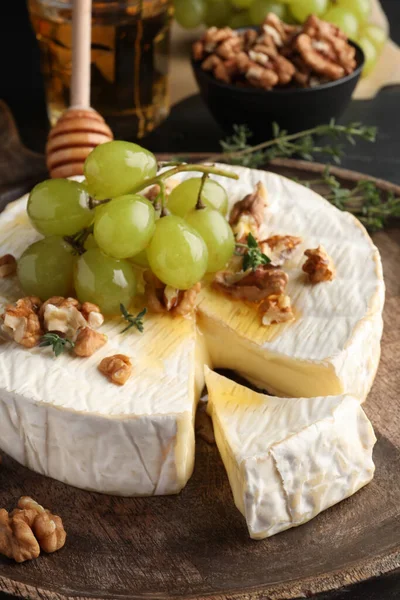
x: 288, y: 459
x: 62, y: 418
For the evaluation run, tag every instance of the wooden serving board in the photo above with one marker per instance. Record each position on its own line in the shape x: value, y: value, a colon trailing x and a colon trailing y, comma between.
x: 195, y: 545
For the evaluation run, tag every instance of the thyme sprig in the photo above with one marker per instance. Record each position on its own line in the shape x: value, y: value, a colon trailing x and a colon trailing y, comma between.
x: 372, y: 206
x: 58, y: 343
x: 304, y: 144
x: 253, y: 256
x: 134, y: 321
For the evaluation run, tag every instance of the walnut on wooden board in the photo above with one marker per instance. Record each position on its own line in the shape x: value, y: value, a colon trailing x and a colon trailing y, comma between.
x: 8, y: 266
x: 319, y: 265
x: 20, y: 321
x: 253, y: 286
x: 247, y: 215
x: 88, y: 341
x: 28, y: 529
x: 161, y: 298
x: 118, y: 368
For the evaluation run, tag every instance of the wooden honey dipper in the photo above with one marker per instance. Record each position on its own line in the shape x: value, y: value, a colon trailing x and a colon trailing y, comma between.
x: 80, y: 128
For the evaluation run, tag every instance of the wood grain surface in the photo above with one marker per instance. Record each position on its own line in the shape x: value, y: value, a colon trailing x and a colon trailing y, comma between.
x: 195, y: 545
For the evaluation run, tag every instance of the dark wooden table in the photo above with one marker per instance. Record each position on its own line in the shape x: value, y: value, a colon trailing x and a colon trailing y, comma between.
x: 190, y: 127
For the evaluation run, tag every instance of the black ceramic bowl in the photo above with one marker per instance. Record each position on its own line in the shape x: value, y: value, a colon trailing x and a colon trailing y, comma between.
x: 294, y: 109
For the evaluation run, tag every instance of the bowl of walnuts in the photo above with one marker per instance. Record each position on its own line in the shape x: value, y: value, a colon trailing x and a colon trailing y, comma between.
x: 298, y: 76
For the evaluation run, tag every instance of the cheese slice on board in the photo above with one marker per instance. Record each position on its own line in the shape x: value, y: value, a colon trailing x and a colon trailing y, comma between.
x: 288, y: 459
x: 61, y: 417
x: 333, y: 344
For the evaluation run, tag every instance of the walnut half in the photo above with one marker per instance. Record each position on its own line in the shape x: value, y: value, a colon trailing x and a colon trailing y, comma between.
x: 253, y: 286
x: 117, y: 368
x: 29, y: 528
x: 276, y: 309
x: 247, y: 215
x: 21, y: 322
x: 161, y: 298
x: 319, y: 265
x: 8, y: 265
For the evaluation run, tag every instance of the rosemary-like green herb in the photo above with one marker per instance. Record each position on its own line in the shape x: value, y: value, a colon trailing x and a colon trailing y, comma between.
x: 132, y: 320
x: 58, y: 344
x: 304, y: 144
x: 253, y: 256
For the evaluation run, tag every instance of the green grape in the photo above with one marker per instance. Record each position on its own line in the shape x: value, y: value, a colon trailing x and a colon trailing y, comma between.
x: 360, y: 8
x: 301, y: 9
x: 345, y: 20
x: 177, y: 253
x: 370, y: 54
x: 376, y: 35
x: 46, y: 268
x: 241, y: 3
x: 218, y: 13
x: 124, y: 226
x: 140, y: 260
x: 190, y: 13
x: 114, y: 168
x: 105, y: 281
x: 260, y: 8
x: 240, y: 19
x: 184, y: 196
x: 217, y: 234
x: 59, y: 207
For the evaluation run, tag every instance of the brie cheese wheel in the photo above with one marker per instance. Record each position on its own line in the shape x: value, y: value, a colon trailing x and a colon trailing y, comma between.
x: 288, y: 459
x: 61, y: 417
x: 333, y: 345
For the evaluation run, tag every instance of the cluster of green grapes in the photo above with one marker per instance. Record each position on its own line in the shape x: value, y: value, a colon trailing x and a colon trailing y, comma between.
x: 350, y: 15
x: 120, y: 230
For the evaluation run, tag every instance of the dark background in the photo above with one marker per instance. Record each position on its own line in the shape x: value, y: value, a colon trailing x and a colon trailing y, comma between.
x: 190, y: 127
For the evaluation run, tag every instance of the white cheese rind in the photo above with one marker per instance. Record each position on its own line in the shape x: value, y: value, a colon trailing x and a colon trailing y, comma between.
x: 288, y: 459
x: 61, y: 417
x: 333, y: 345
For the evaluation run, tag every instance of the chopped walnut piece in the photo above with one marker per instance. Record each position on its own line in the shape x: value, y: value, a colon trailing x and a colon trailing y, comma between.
x: 65, y: 318
x: 317, y: 60
x: 277, y: 54
x: 88, y: 342
x: 282, y: 247
x: 8, y: 265
x: 92, y: 314
x: 247, y: 215
x: 21, y: 321
x: 187, y: 302
x: 117, y: 368
x: 276, y: 309
x: 29, y: 528
x: 17, y: 540
x: 152, y: 192
x: 319, y: 265
x: 253, y: 286
x: 161, y: 298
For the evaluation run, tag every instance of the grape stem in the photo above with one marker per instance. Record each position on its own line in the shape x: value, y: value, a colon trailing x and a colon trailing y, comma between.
x: 200, y: 204
x: 182, y: 169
